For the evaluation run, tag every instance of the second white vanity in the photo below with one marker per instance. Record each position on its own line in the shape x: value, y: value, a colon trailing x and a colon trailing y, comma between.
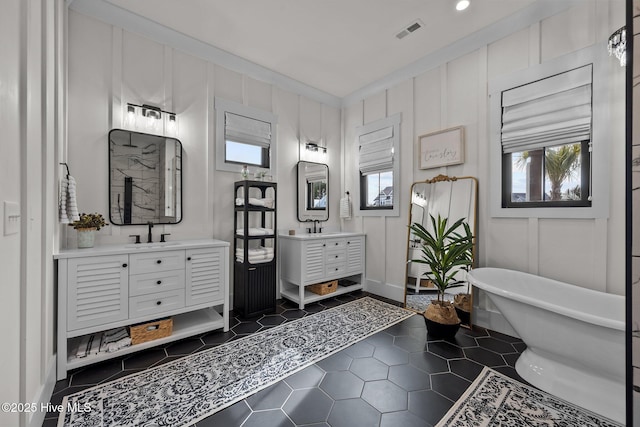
x: 307, y: 259
x: 111, y: 286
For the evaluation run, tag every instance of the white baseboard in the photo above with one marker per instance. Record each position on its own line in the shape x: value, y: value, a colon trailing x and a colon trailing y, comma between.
x: 492, y: 320
x: 386, y: 290
x: 43, y: 397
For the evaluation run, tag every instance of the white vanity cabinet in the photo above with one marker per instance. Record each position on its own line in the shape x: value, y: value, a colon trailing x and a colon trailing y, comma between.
x: 308, y: 259
x: 113, y: 286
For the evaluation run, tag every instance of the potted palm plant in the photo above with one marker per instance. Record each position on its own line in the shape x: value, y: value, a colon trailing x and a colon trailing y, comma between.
x: 447, y: 250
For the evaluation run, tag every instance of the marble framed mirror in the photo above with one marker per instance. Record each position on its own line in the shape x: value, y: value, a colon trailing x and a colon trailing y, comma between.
x: 451, y: 197
x: 313, y: 191
x: 145, y: 178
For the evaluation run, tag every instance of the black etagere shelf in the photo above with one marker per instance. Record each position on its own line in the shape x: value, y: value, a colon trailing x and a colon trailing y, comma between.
x: 254, y: 282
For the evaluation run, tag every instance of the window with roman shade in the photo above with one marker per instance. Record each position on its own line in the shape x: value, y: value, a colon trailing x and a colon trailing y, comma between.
x: 378, y: 166
x: 546, y: 141
x: 244, y: 136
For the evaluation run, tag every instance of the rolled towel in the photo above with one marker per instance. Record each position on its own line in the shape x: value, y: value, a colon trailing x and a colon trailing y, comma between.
x: 72, y: 204
x: 62, y: 201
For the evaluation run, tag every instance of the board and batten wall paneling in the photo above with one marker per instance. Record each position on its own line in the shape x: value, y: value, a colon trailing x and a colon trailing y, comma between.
x: 455, y: 93
x: 110, y: 66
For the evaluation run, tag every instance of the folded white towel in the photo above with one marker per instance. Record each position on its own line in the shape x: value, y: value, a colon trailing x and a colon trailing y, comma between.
x: 256, y: 231
x: 118, y: 335
x: 254, y: 259
x: 267, y: 202
x: 345, y: 208
x: 257, y: 251
x: 117, y: 345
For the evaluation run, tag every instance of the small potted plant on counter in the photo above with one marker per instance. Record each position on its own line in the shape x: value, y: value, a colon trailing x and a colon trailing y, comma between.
x: 447, y: 250
x: 86, y: 226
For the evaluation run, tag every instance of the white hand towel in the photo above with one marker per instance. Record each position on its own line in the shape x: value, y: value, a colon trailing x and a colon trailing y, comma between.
x: 345, y: 208
x: 72, y: 204
x: 62, y: 201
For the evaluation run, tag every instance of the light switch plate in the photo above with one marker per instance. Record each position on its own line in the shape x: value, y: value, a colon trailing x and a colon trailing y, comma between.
x: 11, y: 218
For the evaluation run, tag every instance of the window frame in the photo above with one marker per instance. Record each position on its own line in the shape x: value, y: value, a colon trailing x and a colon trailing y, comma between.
x: 223, y: 106
x: 362, y: 209
x: 600, y: 135
x: 585, y: 182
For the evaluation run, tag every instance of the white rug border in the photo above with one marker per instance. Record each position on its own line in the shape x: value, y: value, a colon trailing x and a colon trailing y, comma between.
x: 258, y: 389
x: 486, y: 371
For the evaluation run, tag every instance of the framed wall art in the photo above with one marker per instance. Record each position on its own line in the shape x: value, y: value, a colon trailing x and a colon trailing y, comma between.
x: 442, y: 148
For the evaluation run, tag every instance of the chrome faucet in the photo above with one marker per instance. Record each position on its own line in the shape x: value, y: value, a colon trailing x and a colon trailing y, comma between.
x: 150, y: 237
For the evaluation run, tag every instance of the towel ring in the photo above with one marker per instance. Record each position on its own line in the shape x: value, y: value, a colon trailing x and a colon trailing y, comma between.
x: 66, y: 166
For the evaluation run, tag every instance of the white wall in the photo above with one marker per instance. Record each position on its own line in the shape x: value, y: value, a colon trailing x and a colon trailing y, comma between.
x: 588, y: 253
x: 29, y: 118
x: 109, y: 66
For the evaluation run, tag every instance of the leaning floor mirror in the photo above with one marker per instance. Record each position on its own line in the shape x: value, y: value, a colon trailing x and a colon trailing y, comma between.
x: 449, y: 197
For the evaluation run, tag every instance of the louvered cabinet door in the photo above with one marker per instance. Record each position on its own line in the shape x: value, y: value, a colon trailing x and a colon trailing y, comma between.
x: 204, y: 276
x: 313, y: 261
x: 98, y: 291
x: 355, y: 255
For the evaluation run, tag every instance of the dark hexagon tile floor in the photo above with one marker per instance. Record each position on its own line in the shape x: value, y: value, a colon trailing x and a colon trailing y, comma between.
x: 397, y: 377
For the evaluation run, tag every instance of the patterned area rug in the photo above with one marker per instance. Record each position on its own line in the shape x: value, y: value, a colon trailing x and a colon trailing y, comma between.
x: 182, y: 392
x: 496, y: 400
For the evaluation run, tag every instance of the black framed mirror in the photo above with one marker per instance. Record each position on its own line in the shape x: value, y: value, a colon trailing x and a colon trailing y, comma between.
x: 313, y: 191
x: 449, y: 197
x: 145, y: 178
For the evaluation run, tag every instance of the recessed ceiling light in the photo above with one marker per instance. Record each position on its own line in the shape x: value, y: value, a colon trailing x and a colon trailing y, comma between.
x: 462, y: 5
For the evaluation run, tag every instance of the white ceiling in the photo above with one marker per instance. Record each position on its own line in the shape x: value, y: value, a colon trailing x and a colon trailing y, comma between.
x: 336, y: 46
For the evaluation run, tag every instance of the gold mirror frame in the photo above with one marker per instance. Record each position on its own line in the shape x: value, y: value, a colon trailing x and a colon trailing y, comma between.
x: 473, y: 204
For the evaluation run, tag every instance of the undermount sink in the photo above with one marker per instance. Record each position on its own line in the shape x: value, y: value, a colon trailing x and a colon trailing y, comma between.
x: 150, y: 245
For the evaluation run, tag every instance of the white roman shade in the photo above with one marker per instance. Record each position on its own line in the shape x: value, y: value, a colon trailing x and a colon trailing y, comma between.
x: 376, y: 151
x: 549, y: 112
x: 247, y: 130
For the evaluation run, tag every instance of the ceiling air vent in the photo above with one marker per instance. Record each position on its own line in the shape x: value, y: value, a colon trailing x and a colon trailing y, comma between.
x: 410, y: 29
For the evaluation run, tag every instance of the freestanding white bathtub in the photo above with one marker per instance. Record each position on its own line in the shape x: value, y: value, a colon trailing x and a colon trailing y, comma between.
x: 574, y: 337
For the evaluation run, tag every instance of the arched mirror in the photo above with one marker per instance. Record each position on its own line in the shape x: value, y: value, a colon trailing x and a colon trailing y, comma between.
x: 313, y: 191
x: 145, y: 178
x: 452, y: 198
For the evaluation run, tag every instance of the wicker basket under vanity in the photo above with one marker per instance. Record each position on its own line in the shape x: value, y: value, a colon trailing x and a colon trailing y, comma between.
x: 150, y: 331
x: 324, y: 288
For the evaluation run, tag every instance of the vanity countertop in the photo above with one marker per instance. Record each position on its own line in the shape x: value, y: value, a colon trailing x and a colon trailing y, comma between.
x: 139, y: 247
x: 327, y: 235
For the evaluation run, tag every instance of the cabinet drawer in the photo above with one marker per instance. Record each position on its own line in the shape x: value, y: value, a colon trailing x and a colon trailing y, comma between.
x: 156, y: 261
x: 335, y: 244
x: 142, y: 284
x: 335, y: 257
x: 335, y: 269
x: 155, y: 304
